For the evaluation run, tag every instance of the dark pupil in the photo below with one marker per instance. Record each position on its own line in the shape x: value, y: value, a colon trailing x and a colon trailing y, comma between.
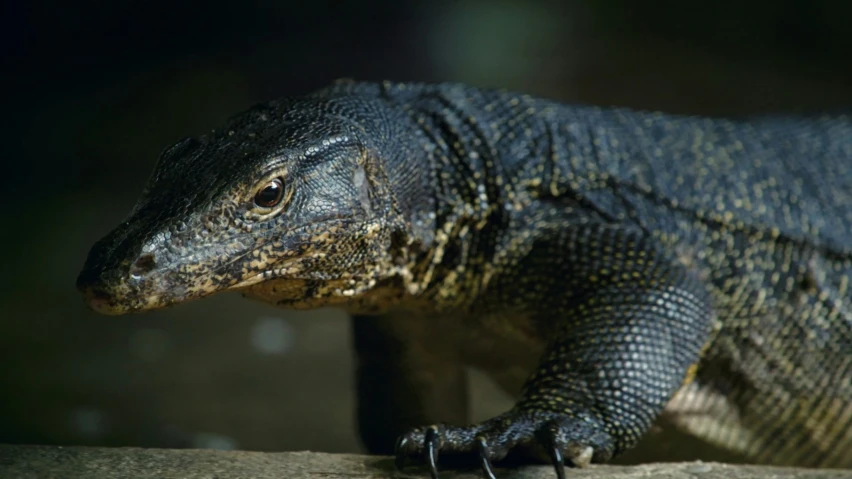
x: 270, y: 195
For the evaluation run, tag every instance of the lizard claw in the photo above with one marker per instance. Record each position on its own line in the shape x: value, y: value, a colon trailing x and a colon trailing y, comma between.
x: 552, y: 436
x: 433, y: 443
x: 484, y: 456
x: 399, y: 452
x: 558, y: 462
x: 549, y: 438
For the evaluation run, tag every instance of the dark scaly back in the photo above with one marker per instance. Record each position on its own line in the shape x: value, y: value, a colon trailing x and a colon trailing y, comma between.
x: 791, y: 174
x: 786, y: 176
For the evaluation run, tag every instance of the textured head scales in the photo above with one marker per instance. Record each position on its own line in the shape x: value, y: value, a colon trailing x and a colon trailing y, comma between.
x: 197, y: 228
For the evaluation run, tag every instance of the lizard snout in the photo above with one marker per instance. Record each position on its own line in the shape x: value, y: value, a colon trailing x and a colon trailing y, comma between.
x: 96, y: 299
x: 111, y: 286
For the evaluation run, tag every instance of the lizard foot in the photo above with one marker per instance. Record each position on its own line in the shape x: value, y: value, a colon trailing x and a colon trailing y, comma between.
x: 553, y: 437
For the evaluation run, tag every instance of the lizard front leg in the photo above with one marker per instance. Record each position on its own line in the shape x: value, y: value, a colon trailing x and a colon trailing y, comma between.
x: 627, y: 321
x: 400, y: 385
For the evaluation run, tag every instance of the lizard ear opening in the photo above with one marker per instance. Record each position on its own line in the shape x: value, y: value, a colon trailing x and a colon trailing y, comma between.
x: 362, y: 184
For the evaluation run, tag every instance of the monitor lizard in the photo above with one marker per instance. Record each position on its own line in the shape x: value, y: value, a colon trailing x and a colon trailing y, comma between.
x: 605, y: 266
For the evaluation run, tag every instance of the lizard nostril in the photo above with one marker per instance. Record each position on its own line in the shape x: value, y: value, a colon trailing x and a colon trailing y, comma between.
x: 144, y: 265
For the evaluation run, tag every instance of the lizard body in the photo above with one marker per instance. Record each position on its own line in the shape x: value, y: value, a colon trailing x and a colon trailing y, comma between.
x: 605, y: 266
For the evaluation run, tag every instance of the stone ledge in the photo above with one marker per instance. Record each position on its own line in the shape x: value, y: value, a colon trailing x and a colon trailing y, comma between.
x: 52, y: 462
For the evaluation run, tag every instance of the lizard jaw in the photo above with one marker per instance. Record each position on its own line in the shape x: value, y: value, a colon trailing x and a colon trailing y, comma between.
x: 103, y: 303
x: 115, y: 299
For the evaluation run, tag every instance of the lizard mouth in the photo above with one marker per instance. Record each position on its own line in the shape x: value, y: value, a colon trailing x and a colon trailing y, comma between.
x: 111, y: 304
x: 154, y: 280
x: 289, y: 269
x: 99, y: 301
x: 115, y: 291
x: 118, y: 290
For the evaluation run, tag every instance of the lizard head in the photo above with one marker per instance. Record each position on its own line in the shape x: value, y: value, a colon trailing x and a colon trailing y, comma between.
x: 290, y: 202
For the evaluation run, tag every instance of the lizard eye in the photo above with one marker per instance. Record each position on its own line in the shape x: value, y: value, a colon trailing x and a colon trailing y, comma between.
x: 270, y: 194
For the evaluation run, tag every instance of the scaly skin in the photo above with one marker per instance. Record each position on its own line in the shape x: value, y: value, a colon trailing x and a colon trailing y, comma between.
x: 608, y: 267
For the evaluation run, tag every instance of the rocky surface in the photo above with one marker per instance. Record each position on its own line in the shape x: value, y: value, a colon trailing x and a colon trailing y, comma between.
x: 51, y: 462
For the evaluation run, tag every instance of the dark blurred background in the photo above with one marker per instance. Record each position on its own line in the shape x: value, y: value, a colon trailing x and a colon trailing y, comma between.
x: 95, y: 90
